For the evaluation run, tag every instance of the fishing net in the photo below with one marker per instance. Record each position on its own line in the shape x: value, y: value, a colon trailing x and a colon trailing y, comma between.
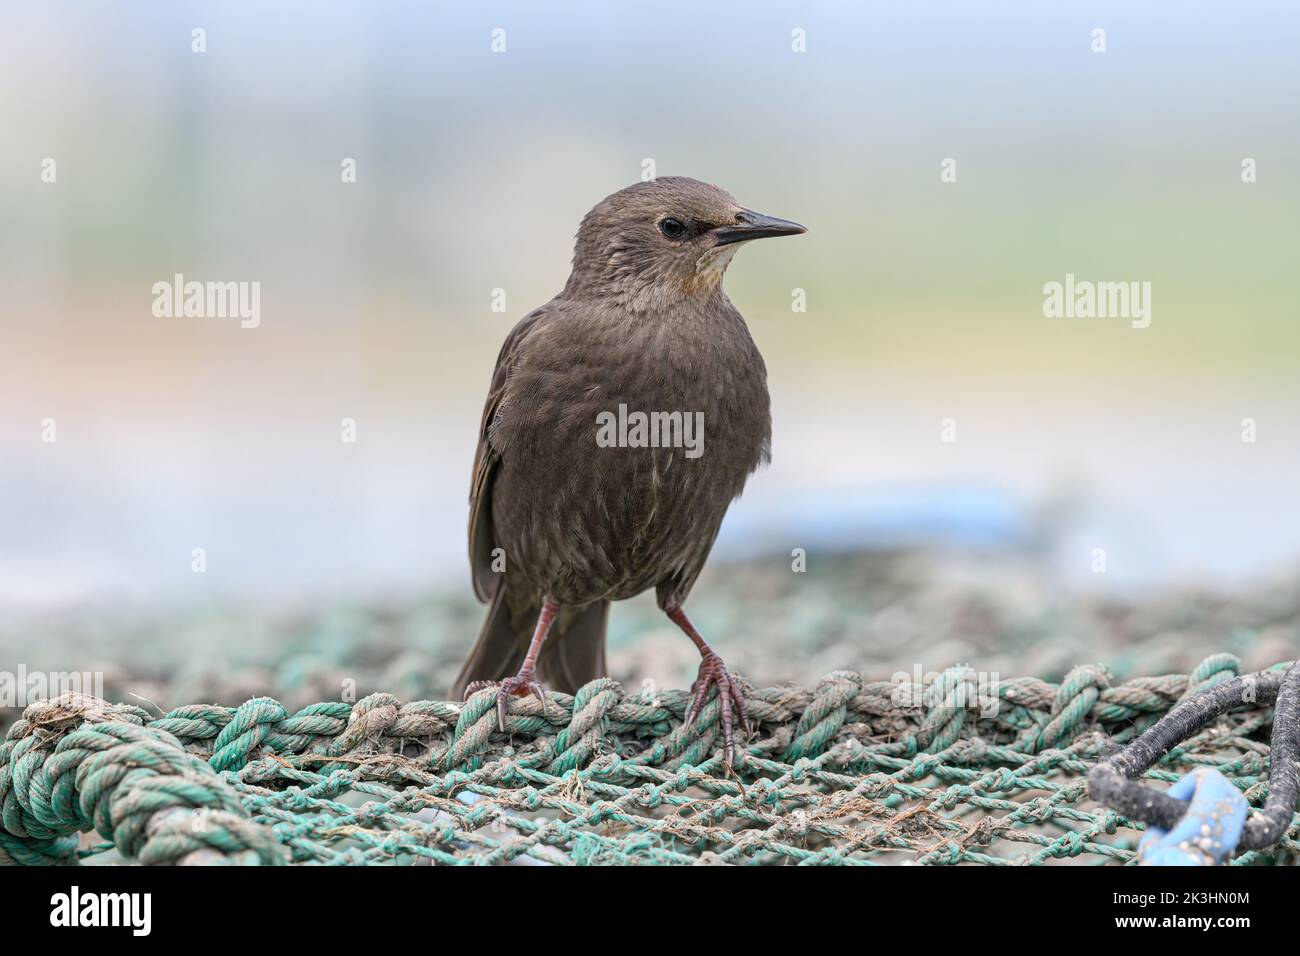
x: 957, y: 769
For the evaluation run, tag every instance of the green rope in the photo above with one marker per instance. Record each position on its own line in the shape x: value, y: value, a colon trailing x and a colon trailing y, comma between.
x: 76, y: 763
x: 847, y: 772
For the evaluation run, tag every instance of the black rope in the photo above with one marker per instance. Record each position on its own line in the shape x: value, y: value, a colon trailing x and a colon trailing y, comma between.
x: 1113, y: 783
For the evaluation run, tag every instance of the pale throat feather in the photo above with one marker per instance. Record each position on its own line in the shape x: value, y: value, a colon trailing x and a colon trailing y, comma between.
x: 713, y: 264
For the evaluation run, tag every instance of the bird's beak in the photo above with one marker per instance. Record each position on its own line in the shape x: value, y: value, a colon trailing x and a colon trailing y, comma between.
x: 755, y: 225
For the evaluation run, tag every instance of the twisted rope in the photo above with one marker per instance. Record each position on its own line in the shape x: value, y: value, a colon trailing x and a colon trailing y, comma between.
x: 76, y: 763
x: 601, y: 715
x: 252, y: 783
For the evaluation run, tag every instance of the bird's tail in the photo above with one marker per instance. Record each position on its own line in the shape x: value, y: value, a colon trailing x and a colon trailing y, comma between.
x: 574, y: 652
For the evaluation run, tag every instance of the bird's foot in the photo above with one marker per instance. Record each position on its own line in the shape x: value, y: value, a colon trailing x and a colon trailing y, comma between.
x: 731, y: 702
x: 521, y: 685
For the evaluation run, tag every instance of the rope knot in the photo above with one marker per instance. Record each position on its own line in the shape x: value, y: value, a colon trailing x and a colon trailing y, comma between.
x: 947, y: 699
x: 593, y: 703
x: 825, y: 714
x: 1074, y: 701
x: 371, y: 718
x: 253, y: 721
x: 585, y: 738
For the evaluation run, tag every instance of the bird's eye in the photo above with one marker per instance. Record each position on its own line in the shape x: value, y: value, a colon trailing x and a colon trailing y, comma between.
x: 672, y: 228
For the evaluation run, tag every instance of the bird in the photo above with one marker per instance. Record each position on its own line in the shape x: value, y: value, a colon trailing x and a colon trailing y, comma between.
x: 623, y: 418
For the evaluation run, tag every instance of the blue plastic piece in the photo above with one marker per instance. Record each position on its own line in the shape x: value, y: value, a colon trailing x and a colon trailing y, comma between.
x: 1208, y: 833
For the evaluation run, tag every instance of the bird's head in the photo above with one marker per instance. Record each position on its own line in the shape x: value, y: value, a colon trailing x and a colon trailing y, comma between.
x: 655, y: 242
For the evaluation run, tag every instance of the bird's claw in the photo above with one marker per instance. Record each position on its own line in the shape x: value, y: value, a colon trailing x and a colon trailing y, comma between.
x: 731, y: 702
x: 521, y: 685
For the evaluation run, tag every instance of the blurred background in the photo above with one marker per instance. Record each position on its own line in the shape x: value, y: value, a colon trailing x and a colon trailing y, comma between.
x: 924, y: 303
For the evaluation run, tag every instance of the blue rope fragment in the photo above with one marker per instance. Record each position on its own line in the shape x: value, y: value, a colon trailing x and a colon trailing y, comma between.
x: 1209, y: 831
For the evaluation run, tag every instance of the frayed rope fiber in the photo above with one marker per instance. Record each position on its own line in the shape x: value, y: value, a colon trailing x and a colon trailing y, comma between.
x: 847, y: 772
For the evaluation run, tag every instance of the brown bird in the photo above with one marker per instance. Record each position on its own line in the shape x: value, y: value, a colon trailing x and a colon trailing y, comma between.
x: 623, y: 418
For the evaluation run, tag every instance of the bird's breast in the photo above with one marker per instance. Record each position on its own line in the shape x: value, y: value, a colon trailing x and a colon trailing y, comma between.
x: 633, y: 449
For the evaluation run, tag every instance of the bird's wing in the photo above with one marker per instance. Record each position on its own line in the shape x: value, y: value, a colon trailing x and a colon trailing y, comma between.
x: 486, y: 459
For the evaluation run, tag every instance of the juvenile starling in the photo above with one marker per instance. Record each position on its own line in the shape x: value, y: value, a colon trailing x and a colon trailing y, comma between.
x: 623, y: 418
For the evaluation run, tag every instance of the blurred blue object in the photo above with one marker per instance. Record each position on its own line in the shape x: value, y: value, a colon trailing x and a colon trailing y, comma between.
x: 1208, y: 833
x: 894, y: 517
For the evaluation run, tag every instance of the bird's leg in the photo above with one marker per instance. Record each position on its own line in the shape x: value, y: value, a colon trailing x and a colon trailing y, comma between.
x: 524, y: 682
x: 731, y: 703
